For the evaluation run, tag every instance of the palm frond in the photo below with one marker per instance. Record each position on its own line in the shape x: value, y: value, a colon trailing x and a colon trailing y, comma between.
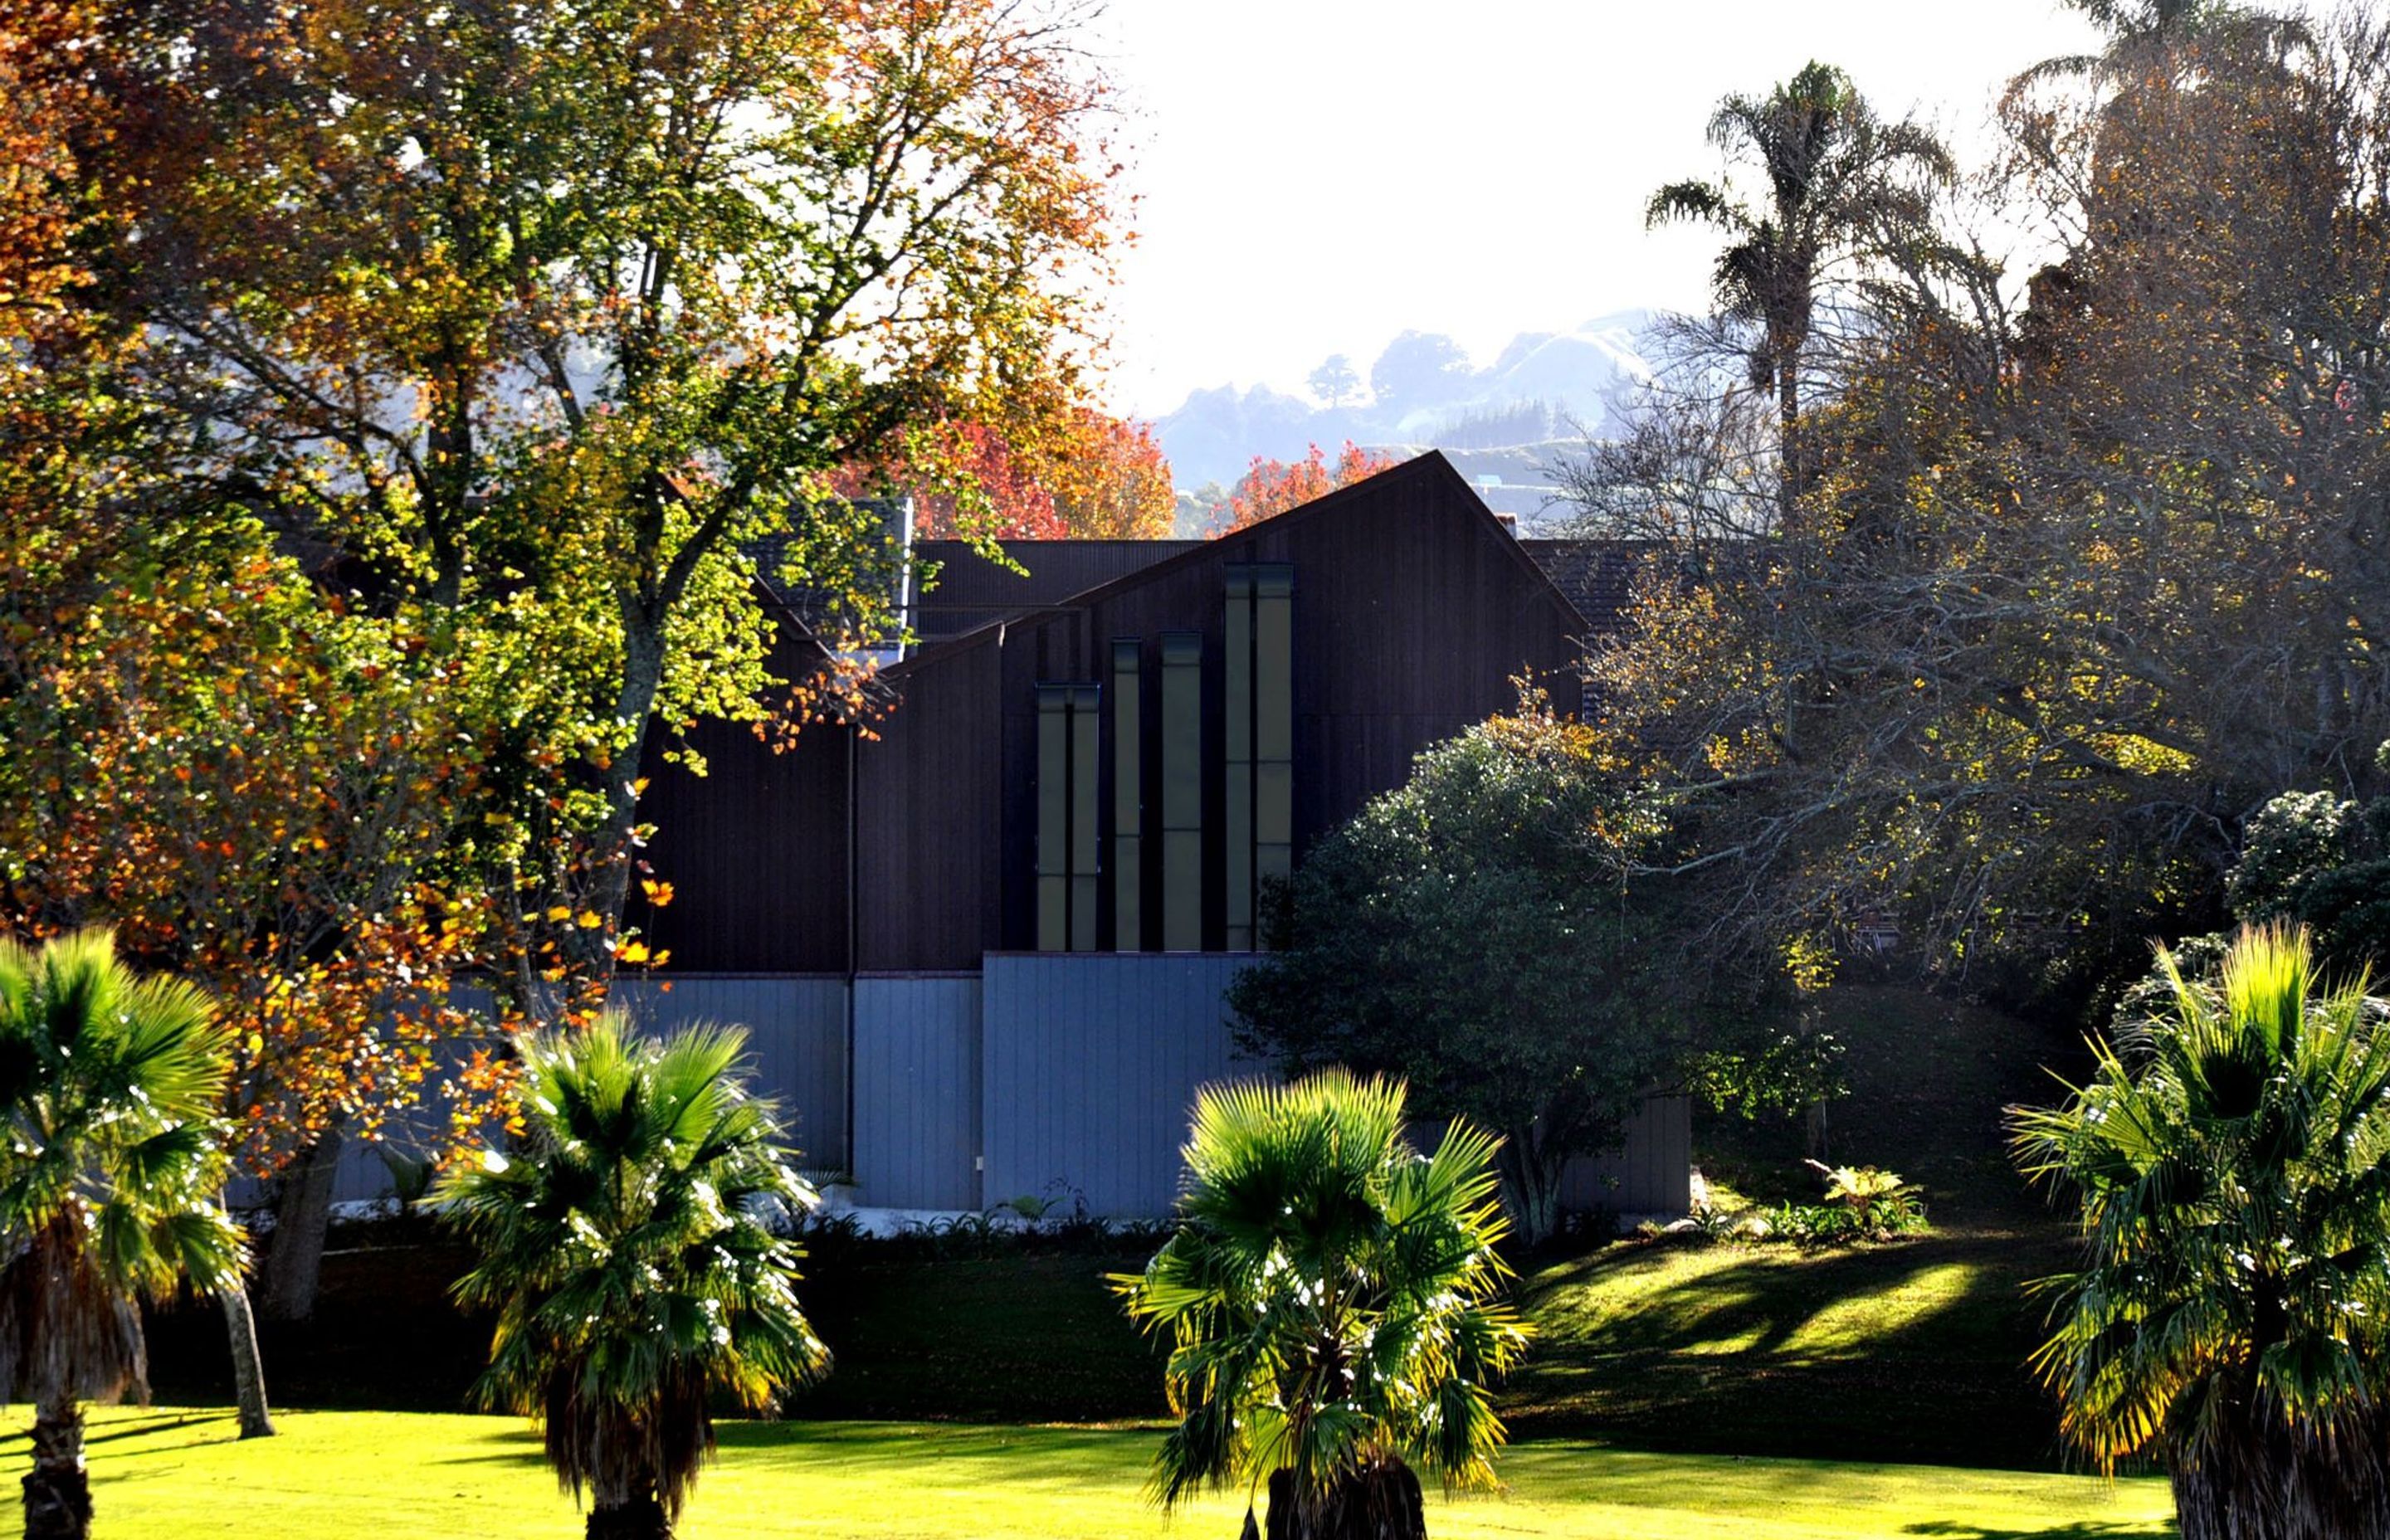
x: 627, y: 1247
x: 2235, y: 1203
x: 1332, y: 1295
x: 108, y: 1087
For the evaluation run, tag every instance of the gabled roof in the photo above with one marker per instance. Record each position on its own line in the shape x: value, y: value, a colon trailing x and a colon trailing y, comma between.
x: 972, y: 590
x: 1431, y: 466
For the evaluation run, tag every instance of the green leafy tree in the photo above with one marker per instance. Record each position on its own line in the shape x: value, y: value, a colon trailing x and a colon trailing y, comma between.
x: 628, y: 1244
x: 2234, y: 1312
x: 546, y: 325
x: 2320, y: 862
x: 111, y: 1085
x: 1335, y: 1307
x: 1839, y: 183
x: 1475, y: 930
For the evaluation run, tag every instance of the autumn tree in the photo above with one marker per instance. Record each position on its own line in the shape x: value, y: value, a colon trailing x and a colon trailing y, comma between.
x: 1271, y: 487
x: 539, y: 323
x: 47, y: 101
x: 250, y: 787
x: 1070, y: 472
x: 1111, y: 480
x: 2080, y: 580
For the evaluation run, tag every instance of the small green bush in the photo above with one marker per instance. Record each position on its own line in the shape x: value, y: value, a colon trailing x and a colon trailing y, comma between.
x: 1861, y: 1204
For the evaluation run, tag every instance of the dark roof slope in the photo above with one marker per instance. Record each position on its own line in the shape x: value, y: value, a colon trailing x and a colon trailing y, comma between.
x: 1431, y: 465
x: 972, y: 590
x: 1595, y: 576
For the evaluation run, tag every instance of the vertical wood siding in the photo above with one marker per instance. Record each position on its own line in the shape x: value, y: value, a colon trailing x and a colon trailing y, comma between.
x: 1651, y: 1173
x: 1091, y: 1067
x: 796, y: 1036
x: 916, y: 1092
x: 1412, y: 609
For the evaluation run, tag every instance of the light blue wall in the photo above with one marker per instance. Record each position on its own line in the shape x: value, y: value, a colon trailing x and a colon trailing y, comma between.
x: 1048, y: 1075
x: 796, y: 1033
x: 916, y: 1092
x: 1091, y: 1063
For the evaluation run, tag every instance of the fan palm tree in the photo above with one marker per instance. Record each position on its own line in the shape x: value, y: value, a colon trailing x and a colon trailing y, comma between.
x: 629, y: 1247
x: 1834, y: 174
x: 1335, y: 1304
x: 2233, y: 1313
x: 108, y: 1166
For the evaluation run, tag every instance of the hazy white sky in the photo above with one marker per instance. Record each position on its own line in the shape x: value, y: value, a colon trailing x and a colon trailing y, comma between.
x: 1315, y: 176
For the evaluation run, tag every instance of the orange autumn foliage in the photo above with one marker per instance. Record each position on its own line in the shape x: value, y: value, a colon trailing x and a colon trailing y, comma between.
x: 1073, y: 474
x: 1271, y: 487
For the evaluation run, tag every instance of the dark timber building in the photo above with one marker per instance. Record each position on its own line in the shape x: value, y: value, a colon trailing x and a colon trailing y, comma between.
x: 983, y: 940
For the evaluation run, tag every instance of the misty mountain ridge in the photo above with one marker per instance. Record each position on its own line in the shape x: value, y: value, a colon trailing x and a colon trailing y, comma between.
x: 1422, y: 393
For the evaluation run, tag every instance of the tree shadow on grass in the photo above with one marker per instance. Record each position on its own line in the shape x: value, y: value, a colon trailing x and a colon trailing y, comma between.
x: 2078, y: 1530
x: 957, y: 1453
x: 521, y: 1447
x: 1911, y: 1351
x: 1869, y: 1300
x: 117, y: 1430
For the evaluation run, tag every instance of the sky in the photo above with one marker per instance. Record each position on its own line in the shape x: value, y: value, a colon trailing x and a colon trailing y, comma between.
x: 1313, y: 176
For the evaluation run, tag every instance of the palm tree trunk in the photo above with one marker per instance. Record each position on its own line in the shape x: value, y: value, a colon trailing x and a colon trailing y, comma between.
x: 1379, y: 1501
x: 638, y: 1518
x: 247, y: 1365
x: 2268, y: 1482
x: 58, y: 1490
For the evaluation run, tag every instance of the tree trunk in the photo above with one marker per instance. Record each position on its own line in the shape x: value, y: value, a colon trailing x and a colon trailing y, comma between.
x: 1531, y: 1189
x: 627, y: 1517
x: 248, y: 1366
x: 1379, y: 1501
x: 639, y: 1518
x: 302, y: 1215
x: 2268, y: 1482
x: 58, y: 1490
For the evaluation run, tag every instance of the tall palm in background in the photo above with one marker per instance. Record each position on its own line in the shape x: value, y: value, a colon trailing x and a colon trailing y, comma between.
x: 1335, y: 1304
x: 629, y: 1247
x: 1840, y: 182
x: 109, y: 1163
x: 2233, y: 1310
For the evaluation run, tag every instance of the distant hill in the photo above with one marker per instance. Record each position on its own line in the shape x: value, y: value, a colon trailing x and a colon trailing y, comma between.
x: 1500, y: 421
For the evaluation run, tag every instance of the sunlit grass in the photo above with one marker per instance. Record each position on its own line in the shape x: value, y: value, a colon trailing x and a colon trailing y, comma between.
x: 1914, y: 1349
x: 179, y: 1475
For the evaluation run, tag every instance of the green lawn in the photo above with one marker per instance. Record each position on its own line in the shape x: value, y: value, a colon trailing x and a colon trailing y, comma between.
x: 171, y: 1474
x: 1914, y: 1352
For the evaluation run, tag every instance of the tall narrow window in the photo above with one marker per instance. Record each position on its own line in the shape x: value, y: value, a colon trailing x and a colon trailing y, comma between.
x: 1182, y: 791
x: 1273, y: 725
x: 1237, y: 734
x: 1084, y: 783
x: 1128, y: 795
x: 1066, y: 817
x: 1259, y: 701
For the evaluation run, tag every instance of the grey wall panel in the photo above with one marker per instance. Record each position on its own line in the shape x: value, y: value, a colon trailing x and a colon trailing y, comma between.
x: 796, y: 1035
x: 916, y: 1092
x: 1651, y: 1172
x: 1091, y: 1065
